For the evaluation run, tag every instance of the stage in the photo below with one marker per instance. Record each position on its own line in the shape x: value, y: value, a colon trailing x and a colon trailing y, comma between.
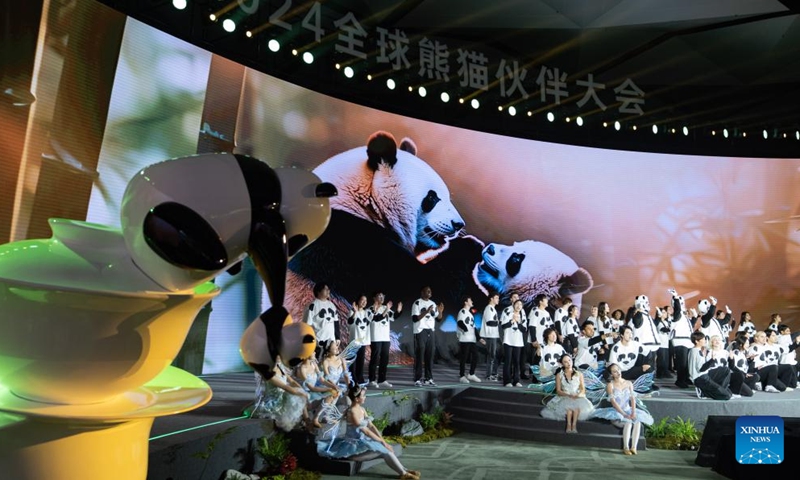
x: 203, y: 443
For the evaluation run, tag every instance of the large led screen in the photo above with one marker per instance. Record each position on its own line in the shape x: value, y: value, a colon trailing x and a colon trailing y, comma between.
x: 462, y: 211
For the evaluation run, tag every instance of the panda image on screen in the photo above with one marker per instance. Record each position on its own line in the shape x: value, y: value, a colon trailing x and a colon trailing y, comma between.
x: 529, y: 268
x: 392, y: 216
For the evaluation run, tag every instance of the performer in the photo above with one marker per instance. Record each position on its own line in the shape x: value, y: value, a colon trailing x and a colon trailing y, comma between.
x: 380, y: 318
x: 786, y: 372
x: 321, y: 314
x: 664, y: 325
x: 624, y: 411
x: 788, y: 353
x: 334, y: 368
x: 559, y: 315
x: 606, y: 325
x: 590, y: 347
x: 710, y: 379
x: 570, y: 330
x: 763, y: 365
x: 746, y: 325
x: 359, y: 323
x: 594, y: 312
x: 466, y: 341
x: 774, y: 321
x: 280, y: 398
x: 645, y: 331
x: 629, y: 355
x: 743, y: 382
x: 513, y: 328
x: 709, y: 324
x: 682, y: 328
x: 362, y: 440
x: 549, y: 355
x: 490, y: 335
x: 539, y: 320
x: 570, y: 401
x: 424, y: 314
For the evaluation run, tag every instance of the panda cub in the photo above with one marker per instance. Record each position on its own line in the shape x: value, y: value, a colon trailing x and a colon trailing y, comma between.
x: 529, y: 268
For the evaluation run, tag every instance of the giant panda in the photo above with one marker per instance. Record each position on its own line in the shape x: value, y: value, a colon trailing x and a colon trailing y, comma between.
x: 392, y: 217
x: 529, y: 268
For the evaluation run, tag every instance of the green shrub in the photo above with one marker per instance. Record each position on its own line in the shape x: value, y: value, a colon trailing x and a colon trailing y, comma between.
x: 673, y: 434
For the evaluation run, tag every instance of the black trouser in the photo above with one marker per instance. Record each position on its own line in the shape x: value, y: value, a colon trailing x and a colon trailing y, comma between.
x: 357, y: 367
x: 662, y: 363
x: 787, y: 374
x: 714, y: 384
x: 511, y: 364
x: 769, y: 376
x: 491, y: 356
x: 378, y: 360
x: 423, y: 353
x: 467, y: 351
x: 525, y: 357
x: 741, y: 384
x: 682, y: 366
x: 570, y: 344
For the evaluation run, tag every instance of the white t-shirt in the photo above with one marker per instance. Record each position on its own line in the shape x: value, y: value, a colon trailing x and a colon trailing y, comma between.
x: 322, y: 316
x: 490, y: 327
x: 541, y: 321
x: 763, y: 355
x: 740, y: 360
x: 513, y: 334
x: 787, y: 358
x: 550, y: 358
x: 587, y: 354
x: 625, y: 355
x: 379, y: 323
x: 682, y: 332
x: 359, y: 326
x: 748, y: 327
x: 465, y: 317
x: 428, y: 322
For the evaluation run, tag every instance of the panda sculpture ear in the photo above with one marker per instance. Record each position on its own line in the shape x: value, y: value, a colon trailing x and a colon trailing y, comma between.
x: 579, y: 282
x: 381, y: 148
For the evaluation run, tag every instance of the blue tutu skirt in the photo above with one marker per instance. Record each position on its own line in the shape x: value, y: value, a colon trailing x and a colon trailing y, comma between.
x: 556, y: 409
x: 611, y: 413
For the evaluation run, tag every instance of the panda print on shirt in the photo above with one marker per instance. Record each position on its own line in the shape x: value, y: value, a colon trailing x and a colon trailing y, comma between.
x: 540, y: 319
x: 772, y: 354
x: 359, y: 327
x: 322, y: 317
x: 740, y: 360
x: 625, y: 357
x: 551, y: 356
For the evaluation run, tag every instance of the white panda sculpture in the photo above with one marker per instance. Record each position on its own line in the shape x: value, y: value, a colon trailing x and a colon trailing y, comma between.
x: 529, y: 268
x: 186, y: 220
x: 641, y: 302
x: 703, y: 306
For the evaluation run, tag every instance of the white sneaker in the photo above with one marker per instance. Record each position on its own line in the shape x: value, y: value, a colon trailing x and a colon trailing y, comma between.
x: 509, y: 385
x: 372, y: 384
x: 385, y: 384
x: 789, y: 389
x: 736, y: 396
x: 517, y: 384
x: 429, y: 382
x: 463, y: 380
x: 473, y: 378
x: 759, y: 387
x: 418, y: 383
x: 771, y: 389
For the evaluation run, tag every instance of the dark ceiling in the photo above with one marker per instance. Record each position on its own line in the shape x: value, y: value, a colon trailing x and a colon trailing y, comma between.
x: 703, y: 64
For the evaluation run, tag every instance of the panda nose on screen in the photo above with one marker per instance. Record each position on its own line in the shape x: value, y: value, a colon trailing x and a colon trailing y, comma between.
x: 490, y: 249
x: 457, y: 225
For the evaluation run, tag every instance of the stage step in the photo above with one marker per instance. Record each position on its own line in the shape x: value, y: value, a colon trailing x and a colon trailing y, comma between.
x: 515, y: 414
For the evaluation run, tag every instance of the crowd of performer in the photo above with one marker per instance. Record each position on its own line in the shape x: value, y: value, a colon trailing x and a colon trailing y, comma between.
x: 701, y: 347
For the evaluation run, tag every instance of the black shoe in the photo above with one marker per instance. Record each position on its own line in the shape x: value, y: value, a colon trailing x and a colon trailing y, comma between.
x: 681, y: 385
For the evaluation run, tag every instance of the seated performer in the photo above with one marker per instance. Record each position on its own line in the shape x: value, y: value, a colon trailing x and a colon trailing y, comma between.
x: 624, y: 411
x: 629, y: 355
x: 710, y: 377
x: 362, y: 440
x: 570, y: 401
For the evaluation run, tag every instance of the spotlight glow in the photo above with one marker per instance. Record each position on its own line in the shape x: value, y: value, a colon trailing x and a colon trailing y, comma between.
x: 349, y: 72
x: 500, y: 108
x: 228, y: 25
x: 579, y: 121
x: 655, y: 129
x: 308, y: 57
x: 512, y: 110
x: 390, y: 84
x: 369, y: 76
x: 475, y: 103
x: 551, y: 117
x: 725, y: 132
x: 685, y: 131
x: 410, y: 88
x: 530, y: 114
x: 212, y: 17
x: 179, y: 4
x: 422, y: 91
x: 294, y: 52
x: 605, y: 124
x: 337, y: 67
x: 765, y: 134
x: 274, y: 45
x: 567, y: 119
x: 445, y: 97
x: 797, y: 135
x: 673, y: 130
x: 634, y: 128
x: 617, y: 125
x: 744, y: 134
x: 713, y: 133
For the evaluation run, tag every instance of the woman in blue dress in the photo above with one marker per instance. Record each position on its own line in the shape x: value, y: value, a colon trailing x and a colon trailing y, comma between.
x: 570, y: 401
x: 362, y: 440
x: 280, y: 398
x: 624, y: 412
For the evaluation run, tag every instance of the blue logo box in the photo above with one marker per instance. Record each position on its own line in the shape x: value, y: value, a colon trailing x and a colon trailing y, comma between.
x: 759, y: 440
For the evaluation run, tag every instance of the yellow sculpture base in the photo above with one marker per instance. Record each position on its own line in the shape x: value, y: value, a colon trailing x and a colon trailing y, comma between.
x: 91, y: 442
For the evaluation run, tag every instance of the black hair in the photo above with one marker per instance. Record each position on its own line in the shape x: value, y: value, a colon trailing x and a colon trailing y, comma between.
x: 697, y: 336
x: 782, y: 328
x: 546, y: 334
x: 354, y: 392
x: 318, y: 287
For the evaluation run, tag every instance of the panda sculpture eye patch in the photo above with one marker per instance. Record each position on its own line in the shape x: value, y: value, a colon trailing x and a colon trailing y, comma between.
x: 183, y: 237
x: 514, y: 263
